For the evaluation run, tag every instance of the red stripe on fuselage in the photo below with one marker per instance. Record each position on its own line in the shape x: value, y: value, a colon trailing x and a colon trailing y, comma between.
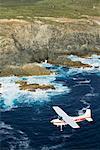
x: 79, y: 120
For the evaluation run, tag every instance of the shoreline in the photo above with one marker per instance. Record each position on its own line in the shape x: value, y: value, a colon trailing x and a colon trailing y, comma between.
x: 39, y: 69
x: 24, y: 70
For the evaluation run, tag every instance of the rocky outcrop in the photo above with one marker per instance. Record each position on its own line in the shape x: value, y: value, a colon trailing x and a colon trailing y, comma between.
x: 32, y: 87
x: 68, y: 63
x: 24, y: 70
x: 24, y: 42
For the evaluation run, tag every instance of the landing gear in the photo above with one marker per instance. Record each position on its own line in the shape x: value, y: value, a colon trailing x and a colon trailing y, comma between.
x: 61, y: 128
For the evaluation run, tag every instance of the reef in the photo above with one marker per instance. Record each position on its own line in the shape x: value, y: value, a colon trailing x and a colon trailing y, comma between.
x: 32, y: 87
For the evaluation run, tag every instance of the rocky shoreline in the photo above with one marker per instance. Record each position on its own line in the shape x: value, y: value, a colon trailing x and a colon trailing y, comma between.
x: 53, y: 39
x: 69, y: 63
x: 24, y: 70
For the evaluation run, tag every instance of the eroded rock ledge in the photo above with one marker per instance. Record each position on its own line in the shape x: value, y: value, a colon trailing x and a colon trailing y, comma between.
x: 23, y: 42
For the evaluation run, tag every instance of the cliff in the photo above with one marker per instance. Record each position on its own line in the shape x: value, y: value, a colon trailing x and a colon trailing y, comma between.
x: 23, y: 41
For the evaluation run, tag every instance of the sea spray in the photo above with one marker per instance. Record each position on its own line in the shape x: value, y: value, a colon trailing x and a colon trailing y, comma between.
x: 12, y: 96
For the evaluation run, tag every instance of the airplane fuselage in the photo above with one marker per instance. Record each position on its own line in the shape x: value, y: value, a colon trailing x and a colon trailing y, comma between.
x: 70, y: 120
x: 59, y: 122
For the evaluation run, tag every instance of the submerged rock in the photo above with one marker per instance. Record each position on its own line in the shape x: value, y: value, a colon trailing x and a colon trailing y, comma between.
x: 32, y: 87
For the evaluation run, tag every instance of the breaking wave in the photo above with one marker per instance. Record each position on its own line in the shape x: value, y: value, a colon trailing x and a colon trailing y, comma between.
x: 76, y: 90
x: 11, y: 95
x: 93, y: 61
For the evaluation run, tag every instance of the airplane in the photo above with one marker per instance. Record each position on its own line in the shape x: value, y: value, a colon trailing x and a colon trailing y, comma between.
x: 63, y: 119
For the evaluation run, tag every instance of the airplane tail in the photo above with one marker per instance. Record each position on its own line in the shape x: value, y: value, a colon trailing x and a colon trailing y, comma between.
x: 88, y: 115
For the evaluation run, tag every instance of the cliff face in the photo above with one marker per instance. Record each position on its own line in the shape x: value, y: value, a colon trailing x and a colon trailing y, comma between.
x: 27, y: 42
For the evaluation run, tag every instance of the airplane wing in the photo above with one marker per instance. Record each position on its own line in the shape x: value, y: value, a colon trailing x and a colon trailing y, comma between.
x: 65, y: 117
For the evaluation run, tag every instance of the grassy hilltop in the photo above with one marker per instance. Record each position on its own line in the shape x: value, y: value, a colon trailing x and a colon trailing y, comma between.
x: 55, y: 8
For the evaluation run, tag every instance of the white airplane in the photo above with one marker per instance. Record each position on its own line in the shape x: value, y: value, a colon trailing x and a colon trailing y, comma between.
x: 63, y: 119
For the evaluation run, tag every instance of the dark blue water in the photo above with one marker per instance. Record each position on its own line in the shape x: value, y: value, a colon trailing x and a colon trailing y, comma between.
x: 28, y: 127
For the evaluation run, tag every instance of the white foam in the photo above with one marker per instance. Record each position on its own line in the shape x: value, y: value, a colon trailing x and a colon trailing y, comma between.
x: 93, y: 61
x: 10, y: 79
x: 41, y: 79
x: 45, y: 64
x: 92, y: 94
x: 74, y: 71
x: 3, y: 125
x: 11, y: 93
x: 45, y: 95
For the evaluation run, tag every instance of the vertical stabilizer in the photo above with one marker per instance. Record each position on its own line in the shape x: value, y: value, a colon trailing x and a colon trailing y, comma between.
x: 88, y: 115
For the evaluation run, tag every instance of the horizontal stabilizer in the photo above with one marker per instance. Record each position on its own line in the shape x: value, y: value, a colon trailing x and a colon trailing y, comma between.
x: 89, y: 119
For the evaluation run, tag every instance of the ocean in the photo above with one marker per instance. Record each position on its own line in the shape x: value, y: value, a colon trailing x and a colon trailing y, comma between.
x: 25, y: 116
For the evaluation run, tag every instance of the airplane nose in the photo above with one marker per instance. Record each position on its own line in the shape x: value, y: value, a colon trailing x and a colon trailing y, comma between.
x: 51, y: 121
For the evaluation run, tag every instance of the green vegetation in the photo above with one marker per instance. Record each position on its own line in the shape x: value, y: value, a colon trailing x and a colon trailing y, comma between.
x: 55, y: 8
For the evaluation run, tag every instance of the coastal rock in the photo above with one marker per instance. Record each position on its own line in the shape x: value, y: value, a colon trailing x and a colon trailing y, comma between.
x: 64, y: 61
x: 32, y: 87
x: 24, y: 70
x: 23, y: 42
